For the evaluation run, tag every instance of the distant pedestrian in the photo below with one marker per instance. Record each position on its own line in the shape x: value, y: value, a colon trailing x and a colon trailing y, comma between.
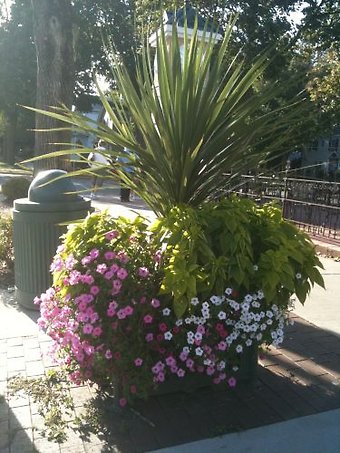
x: 126, y: 167
x: 98, y: 162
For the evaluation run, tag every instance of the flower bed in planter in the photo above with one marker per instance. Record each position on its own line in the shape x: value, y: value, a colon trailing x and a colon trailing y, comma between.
x: 142, y: 307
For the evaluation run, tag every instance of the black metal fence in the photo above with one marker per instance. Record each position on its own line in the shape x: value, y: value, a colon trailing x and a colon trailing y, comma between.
x: 313, y: 205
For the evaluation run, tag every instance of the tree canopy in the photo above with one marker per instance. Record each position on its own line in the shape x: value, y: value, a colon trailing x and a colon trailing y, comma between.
x: 302, y: 57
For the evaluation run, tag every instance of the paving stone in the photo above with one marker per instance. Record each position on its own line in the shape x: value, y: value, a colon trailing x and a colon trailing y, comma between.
x: 16, y: 341
x: 3, y: 373
x: 80, y: 395
x: 4, y: 412
x: 18, y: 401
x: 32, y: 354
x: 20, y: 417
x: 42, y: 445
x: 12, y: 374
x: 15, y: 351
x: 73, y: 444
x: 31, y: 343
x: 22, y: 441
x: 35, y: 368
x: 3, y: 431
x: 4, y: 443
x: 3, y: 346
x: 17, y: 364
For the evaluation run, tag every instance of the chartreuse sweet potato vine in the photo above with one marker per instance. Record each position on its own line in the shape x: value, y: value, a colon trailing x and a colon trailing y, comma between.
x: 234, y: 243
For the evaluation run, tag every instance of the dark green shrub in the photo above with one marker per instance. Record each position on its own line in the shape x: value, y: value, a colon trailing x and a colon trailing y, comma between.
x: 15, y: 188
x: 6, y: 242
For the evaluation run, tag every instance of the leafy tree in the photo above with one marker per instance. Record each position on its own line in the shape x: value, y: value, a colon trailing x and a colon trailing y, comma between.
x: 17, y: 78
x: 203, y: 120
x: 53, y: 37
x: 324, y: 84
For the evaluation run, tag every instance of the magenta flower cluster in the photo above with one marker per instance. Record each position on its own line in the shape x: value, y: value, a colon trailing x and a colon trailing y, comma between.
x: 109, y: 325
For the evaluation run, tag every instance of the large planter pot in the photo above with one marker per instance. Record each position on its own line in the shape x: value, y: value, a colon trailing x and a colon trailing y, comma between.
x: 194, y: 381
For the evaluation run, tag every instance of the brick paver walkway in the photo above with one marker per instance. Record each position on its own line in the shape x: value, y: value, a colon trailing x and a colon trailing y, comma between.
x: 301, y: 378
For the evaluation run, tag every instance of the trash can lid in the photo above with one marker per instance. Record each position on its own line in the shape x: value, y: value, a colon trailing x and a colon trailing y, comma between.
x: 52, y: 186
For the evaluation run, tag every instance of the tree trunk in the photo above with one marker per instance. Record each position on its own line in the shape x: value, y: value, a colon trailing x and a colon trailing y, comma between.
x: 9, y: 137
x: 53, y: 34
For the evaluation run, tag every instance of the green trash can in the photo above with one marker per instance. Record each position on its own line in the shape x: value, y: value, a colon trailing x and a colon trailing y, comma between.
x: 37, y: 230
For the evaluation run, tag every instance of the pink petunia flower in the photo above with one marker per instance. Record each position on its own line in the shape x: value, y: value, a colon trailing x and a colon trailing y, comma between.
x: 147, y: 319
x: 232, y: 382
x: 180, y: 373
x: 101, y: 268
x: 121, y: 313
x: 122, y: 402
x: 109, y: 255
x: 155, y: 303
x: 94, y: 253
x: 138, y: 361
x: 94, y: 290
x: 108, y: 354
x: 87, y: 329
x: 133, y: 389
x: 128, y: 310
x: 97, y: 331
x: 163, y: 327
x: 111, y: 235
x: 149, y: 337
x: 109, y: 275
x: 143, y: 272
x: 122, y: 273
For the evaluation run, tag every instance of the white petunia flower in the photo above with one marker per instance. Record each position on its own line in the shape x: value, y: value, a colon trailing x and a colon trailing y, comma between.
x: 194, y: 301
x: 166, y: 311
x: 199, y: 351
x: 269, y: 322
x: 228, y: 291
x: 168, y: 336
x: 215, y: 300
x: 221, y: 365
x: 179, y: 322
x: 269, y: 314
x: 298, y: 276
x: 255, y: 267
x: 248, y: 298
x: 186, y: 350
x: 239, y: 348
x: 222, y: 315
x: 249, y: 343
x: 198, y: 336
x: 260, y: 294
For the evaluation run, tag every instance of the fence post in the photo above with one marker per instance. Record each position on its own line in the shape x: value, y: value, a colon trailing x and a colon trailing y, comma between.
x: 285, y: 189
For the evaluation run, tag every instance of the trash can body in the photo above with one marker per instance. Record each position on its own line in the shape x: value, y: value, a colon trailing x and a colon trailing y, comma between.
x: 37, y: 227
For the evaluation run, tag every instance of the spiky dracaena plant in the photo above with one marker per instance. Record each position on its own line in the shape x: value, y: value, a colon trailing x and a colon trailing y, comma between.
x: 203, y: 119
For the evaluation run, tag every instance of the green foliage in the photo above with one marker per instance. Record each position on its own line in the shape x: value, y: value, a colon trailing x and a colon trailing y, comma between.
x: 16, y: 187
x: 6, y: 242
x: 324, y: 85
x: 51, y: 393
x: 202, y: 120
x: 238, y: 244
